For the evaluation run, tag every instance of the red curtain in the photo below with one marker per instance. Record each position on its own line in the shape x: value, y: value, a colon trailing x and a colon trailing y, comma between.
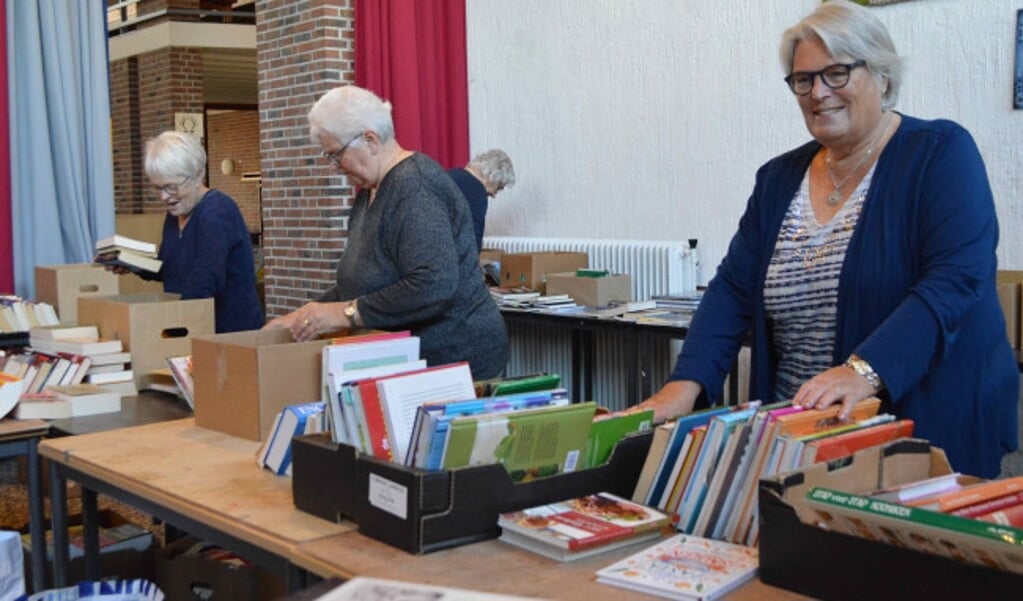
x: 6, y: 248
x: 413, y: 54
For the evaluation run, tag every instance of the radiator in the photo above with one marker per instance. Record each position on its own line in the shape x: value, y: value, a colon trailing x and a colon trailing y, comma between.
x: 655, y: 268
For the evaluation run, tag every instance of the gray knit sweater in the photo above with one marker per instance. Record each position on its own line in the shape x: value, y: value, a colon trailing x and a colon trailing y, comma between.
x: 412, y: 262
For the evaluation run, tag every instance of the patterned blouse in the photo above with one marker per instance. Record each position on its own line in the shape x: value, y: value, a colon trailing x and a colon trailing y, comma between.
x: 801, y: 290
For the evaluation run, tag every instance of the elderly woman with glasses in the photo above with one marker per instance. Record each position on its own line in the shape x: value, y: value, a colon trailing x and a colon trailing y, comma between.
x: 410, y: 262
x: 865, y: 262
x: 206, y: 248
x: 486, y: 174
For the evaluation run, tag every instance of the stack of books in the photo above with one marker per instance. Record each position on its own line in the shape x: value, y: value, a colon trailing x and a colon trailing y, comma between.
x: 135, y: 255
x: 21, y: 315
x: 64, y: 402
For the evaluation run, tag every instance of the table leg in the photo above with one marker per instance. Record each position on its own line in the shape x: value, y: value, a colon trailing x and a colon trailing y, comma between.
x: 58, y: 513
x: 36, y: 516
x: 90, y: 532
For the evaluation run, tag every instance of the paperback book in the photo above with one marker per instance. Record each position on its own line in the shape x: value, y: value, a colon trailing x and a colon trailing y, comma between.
x: 581, y: 527
x: 684, y: 567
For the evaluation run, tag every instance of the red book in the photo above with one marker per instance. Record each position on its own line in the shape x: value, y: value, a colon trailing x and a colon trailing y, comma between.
x: 847, y: 443
x: 373, y: 413
x: 970, y: 495
x: 1010, y: 516
x: 979, y: 509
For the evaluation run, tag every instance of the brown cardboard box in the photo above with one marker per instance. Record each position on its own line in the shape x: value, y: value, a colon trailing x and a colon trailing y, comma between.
x: 182, y: 574
x: 490, y: 255
x: 531, y: 269
x: 243, y: 379
x: 151, y: 326
x: 62, y: 285
x: 1010, y: 296
x: 147, y: 227
x: 591, y: 292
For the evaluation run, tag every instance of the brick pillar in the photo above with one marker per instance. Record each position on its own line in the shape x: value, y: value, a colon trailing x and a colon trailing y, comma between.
x: 127, y: 152
x: 304, y: 48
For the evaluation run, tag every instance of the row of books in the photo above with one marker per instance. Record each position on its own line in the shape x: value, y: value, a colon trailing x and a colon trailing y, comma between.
x: 705, y: 467
x: 294, y: 420
x: 21, y: 315
x: 979, y: 522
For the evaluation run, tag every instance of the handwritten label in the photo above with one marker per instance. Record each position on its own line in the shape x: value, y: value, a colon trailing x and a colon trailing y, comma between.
x: 388, y: 496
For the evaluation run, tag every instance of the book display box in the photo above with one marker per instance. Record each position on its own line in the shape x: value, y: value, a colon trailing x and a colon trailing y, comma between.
x: 834, y: 566
x: 421, y: 511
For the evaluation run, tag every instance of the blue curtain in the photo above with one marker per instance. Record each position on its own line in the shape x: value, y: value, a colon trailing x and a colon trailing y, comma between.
x: 62, y: 190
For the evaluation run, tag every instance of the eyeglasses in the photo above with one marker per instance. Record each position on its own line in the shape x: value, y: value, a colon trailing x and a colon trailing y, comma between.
x: 170, y: 189
x: 834, y: 76
x: 335, y: 156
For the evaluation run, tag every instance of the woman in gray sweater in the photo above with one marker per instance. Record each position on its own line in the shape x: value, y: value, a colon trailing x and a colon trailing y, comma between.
x: 411, y: 260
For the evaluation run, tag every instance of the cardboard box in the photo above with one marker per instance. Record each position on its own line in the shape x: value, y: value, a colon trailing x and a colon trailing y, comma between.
x: 1010, y: 296
x: 530, y: 269
x: 62, y: 285
x: 591, y: 292
x: 183, y: 576
x: 829, y: 565
x: 243, y: 379
x: 150, y: 326
x: 491, y: 255
x: 421, y: 511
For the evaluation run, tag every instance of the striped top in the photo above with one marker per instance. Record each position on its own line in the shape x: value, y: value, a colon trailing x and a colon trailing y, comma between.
x: 801, y: 289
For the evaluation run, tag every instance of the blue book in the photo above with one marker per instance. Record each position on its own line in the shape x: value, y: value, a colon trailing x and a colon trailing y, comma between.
x: 292, y: 423
x: 682, y: 427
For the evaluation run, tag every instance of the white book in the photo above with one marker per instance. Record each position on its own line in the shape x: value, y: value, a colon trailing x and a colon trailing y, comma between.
x: 61, y: 402
x: 340, y: 405
x: 126, y: 242
x: 110, y: 377
x: 119, y: 358
x: 63, y: 332
x: 400, y: 396
x: 351, y: 356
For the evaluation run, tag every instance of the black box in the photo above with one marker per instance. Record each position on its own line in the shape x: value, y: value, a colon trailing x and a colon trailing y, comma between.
x: 421, y: 511
x: 834, y: 566
x: 184, y: 577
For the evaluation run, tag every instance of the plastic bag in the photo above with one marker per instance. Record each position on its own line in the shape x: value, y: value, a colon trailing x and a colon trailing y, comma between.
x: 12, y: 566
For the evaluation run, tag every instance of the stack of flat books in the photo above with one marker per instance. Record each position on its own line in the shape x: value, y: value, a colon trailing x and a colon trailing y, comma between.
x: 135, y: 255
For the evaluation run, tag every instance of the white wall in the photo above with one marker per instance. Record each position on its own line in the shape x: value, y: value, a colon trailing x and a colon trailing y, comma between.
x: 647, y: 119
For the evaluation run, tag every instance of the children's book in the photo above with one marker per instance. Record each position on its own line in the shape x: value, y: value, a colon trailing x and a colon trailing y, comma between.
x: 684, y: 567
x: 582, y: 526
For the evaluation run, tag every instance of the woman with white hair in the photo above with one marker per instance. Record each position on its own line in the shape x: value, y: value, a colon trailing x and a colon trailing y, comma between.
x: 411, y: 260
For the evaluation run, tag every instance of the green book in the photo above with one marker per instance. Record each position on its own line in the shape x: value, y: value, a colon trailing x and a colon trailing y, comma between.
x: 608, y: 429
x: 531, y: 444
x: 962, y: 539
x: 517, y: 384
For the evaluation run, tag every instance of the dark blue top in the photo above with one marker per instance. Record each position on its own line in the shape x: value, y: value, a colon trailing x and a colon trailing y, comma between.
x: 916, y: 296
x: 212, y: 258
x: 475, y: 194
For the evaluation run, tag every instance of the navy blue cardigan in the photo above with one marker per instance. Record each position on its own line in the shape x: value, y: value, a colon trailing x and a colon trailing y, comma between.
x: 916, y: 298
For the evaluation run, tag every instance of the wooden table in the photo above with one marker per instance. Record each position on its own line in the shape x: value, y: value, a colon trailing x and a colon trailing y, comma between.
x: 199, y: 480
x: 148, y: 407
x: 490, y: 566
x: 20, y: 437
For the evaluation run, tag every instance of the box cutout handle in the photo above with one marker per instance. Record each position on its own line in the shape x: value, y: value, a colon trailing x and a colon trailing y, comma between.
x: 88, y: 288
x: 179, y: 332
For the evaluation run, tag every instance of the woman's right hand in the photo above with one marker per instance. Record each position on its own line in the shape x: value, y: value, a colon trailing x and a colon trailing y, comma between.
x: 673, y: 399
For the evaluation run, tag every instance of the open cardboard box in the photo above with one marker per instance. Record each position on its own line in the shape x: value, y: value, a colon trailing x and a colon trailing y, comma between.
x: 801, y: 557
x: 421, y: 511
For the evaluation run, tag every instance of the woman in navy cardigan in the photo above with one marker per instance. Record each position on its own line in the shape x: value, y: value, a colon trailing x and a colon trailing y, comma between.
x: 865, y: 261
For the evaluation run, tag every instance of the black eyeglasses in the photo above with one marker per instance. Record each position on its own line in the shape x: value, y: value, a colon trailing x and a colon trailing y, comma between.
x: 834, y: 76
x: 335, y: 156
x: 170, y: 189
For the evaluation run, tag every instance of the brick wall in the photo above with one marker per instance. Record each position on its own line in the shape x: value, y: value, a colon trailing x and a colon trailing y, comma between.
x: 234, y: 135
x: 303, y: 49
x: 127, y: 151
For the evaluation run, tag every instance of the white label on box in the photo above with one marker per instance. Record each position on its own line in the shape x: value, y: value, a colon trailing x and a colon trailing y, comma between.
x: 389, y: 496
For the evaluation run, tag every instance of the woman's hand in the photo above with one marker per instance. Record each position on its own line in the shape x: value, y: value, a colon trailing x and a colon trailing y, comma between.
x: 672, y: 400
x: 840, y: 384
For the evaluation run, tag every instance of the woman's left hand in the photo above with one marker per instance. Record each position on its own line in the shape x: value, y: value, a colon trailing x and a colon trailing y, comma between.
x: 838, y: 384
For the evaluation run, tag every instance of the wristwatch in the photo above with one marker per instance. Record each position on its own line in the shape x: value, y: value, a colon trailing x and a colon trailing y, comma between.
x: 864, y: 369
x: 351, y: 312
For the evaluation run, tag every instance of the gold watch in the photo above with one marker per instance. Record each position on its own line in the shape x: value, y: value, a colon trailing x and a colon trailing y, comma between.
x: 864, y: 369
x: 351, y: 312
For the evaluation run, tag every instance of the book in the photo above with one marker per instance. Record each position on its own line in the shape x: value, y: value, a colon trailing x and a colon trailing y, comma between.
x: 530, y: 444
x: 969, y: 494
x: 364, y: 588
x: 582, y: 526
x: 109, y: 377
x: 845, y: 444
x: 608, y: 429
x: 683, y: 468
x: 910, y: 491
x: 998, y: 503
x: 11, y: 388
x: 62, y: 402
x: 130, y: 260
x: 658, y: 445
x: 87, y: 346
x: 118, y: 241
x: 400, y: 395
x: 955, y: 537
x: 292, y: 423
x: 118, y: 358
x: 344, y: 404
x: 181, y: 370
x: 684, y: 567
x: 683, y: 427
x: 517, y: 384
x: 360, y: 352
x: 1009, y: 516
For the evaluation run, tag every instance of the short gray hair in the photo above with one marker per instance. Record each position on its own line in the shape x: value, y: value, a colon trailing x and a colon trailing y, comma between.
x: 848, y: 29
x: 174, y: 154
x: 348, y: 111
x: 496, y: 166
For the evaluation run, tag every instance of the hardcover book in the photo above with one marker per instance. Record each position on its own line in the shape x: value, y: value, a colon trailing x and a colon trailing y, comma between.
x: 130, y: 260
x: 684, y: 567
x: 608, y: 429
x: 581, y: 527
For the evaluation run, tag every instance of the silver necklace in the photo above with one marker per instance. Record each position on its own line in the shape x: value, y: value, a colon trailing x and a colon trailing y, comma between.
x: 836, y: 196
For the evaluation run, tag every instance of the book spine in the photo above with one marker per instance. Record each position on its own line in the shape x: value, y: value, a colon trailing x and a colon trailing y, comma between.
x: 973, y: 511
x: 1010, y: 516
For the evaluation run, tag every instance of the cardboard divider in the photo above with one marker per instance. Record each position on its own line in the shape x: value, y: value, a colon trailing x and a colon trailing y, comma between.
x: 829, y: 565
x: 421, y: 511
